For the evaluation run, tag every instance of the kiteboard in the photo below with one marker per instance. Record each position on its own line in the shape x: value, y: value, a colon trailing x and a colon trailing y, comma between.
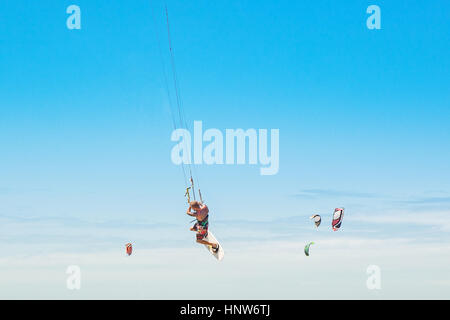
x: 220, y: 253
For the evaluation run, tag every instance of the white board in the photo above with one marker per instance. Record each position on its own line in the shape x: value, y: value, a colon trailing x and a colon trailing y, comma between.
x: 220, y: 253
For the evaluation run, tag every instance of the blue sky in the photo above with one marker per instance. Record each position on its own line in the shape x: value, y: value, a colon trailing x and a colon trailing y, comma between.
x: 363, y: 118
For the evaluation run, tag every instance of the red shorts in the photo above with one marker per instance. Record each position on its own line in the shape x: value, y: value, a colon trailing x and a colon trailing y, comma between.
x: 202, y: 229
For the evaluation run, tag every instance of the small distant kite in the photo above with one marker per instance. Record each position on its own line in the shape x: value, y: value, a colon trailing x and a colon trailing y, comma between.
x: 307, y: 248
x: 129, y: 248
x: 338, y: 215
x: 317, y: 219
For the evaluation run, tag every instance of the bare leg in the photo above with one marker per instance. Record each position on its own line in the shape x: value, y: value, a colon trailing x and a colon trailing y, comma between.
x: 214, y: 245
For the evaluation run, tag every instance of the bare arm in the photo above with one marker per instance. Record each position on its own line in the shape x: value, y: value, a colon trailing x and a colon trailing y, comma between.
x: 188, y: 212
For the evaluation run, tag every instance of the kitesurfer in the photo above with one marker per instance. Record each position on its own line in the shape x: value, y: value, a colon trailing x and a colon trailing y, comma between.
x: 201, y: 226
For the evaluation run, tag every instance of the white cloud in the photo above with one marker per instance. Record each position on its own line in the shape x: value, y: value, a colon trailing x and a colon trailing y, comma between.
x: 335, y: 269
x: 264, y: 260
x: 439, y: 220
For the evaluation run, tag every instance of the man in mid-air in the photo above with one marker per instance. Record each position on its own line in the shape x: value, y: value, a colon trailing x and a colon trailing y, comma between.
x: 201, y: 226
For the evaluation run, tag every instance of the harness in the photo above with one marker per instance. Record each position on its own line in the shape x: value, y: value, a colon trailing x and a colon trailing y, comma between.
x: 202, y: 223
